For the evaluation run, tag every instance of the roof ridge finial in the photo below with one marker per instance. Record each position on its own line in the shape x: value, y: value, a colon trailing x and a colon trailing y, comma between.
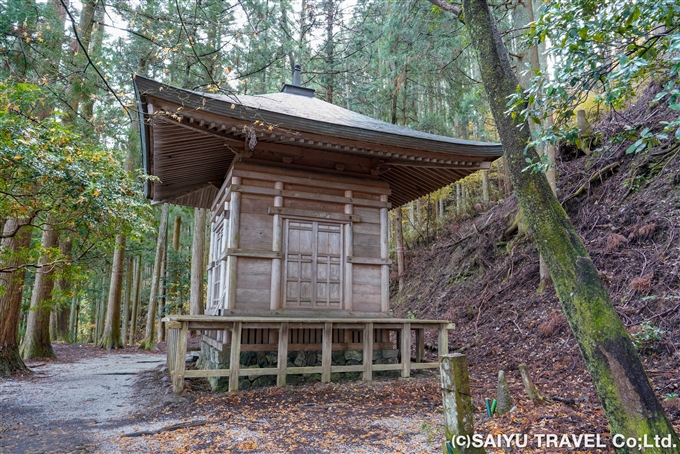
x: 297, y: 69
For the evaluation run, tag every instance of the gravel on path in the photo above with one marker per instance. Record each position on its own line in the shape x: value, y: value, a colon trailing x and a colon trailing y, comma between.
x: 68, y: 407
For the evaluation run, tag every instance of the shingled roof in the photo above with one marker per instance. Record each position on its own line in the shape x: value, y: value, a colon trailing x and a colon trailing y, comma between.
x: 190, y: 139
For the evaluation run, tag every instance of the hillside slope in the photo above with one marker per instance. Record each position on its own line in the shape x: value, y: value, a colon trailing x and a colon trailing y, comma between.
x: 483, y: 277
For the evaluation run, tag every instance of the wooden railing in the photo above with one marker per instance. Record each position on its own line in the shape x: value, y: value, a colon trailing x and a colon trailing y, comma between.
x: 179, y: 326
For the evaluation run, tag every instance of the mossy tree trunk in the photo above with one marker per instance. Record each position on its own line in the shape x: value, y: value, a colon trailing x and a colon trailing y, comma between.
x: 36, y: 343
x: 149, y: 337
x: 10, y: 301
x: 111, y: 337
x: 625, y: 392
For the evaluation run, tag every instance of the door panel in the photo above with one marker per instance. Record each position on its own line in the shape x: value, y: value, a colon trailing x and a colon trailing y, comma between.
x: 313, y: 271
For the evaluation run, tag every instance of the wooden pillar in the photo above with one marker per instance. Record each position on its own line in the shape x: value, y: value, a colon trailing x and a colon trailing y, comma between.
x: 221, y: 258
x: 443, y: 339
x: 277, y: 246
x: 235, y: 358
x: 349, y: 251
x: 282, y: 362
x: 232, y: 243
x: 458, y: 420
x: 211, y: 268
x: 384, y: 254
x: 420, y: 345
x: 368, y: 352
x: 327, y: 352
x: 399, y: 242
x: 406, y: 350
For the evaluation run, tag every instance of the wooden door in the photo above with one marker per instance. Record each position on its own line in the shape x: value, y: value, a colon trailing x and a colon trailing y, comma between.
x: 313, y: 264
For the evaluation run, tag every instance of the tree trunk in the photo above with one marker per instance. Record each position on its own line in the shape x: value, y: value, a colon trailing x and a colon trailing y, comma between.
x: 59, y: 317
x: 134, y: 309
x: 101, y: 309
x: 111, y: 337
x: 149, y: 336
x: 176, y: 232
x: 10, y: 301
x: 197, y: 252
x: 624, y: 390
x: 399, y: 241
x: 163, y: 295
x: 125, y: 315
x: 73, y: 320
x: 36, y: 342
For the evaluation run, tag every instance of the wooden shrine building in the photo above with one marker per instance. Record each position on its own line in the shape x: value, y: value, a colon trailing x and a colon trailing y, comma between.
x: 299, y: 191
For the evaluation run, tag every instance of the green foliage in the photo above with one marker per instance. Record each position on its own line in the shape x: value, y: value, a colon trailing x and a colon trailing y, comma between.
x: 49, y: 173
x: 611, y: 49
x: 646, y: 336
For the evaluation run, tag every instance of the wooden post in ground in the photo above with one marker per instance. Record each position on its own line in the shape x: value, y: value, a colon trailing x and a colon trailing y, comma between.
x: 443, y: 339
x: 235, y: 359
x: 326, y: 352
x: 406, y: 350
x: 368, y: 352
x: 177, y: 352
x: 529, y: 386
x: 282, y: 362
x: 420, y: 345
x: 458, y: 420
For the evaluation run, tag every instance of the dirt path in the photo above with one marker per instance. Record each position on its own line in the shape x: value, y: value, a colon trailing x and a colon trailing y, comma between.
x: 69, y: 404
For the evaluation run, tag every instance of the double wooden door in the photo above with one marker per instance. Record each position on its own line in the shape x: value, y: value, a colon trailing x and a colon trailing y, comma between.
x: 313, y: 264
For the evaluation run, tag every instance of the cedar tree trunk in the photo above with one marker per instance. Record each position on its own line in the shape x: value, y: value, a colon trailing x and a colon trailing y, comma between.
x: 625, y: 392
x: 197, y: 247
x: 10, y: 301
x: 36, y: 342
x: 149, y: 336
x: 111, y: 337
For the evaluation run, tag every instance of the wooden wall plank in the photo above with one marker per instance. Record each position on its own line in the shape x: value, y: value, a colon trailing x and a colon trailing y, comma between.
x: 368, y: 214
x: 367, y: 251
x: 257, y: 231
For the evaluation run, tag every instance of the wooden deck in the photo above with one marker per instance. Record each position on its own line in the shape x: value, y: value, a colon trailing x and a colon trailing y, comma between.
x: 179, y: 326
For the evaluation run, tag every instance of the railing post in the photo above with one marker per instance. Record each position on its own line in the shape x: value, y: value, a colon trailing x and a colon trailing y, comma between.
x: 368, y: 352
x: 406, y: 350
x: 458, y: 421
x: 235, y: 359
x: 282, y: 361
x: 177, y: 351
x: 326, y: 352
